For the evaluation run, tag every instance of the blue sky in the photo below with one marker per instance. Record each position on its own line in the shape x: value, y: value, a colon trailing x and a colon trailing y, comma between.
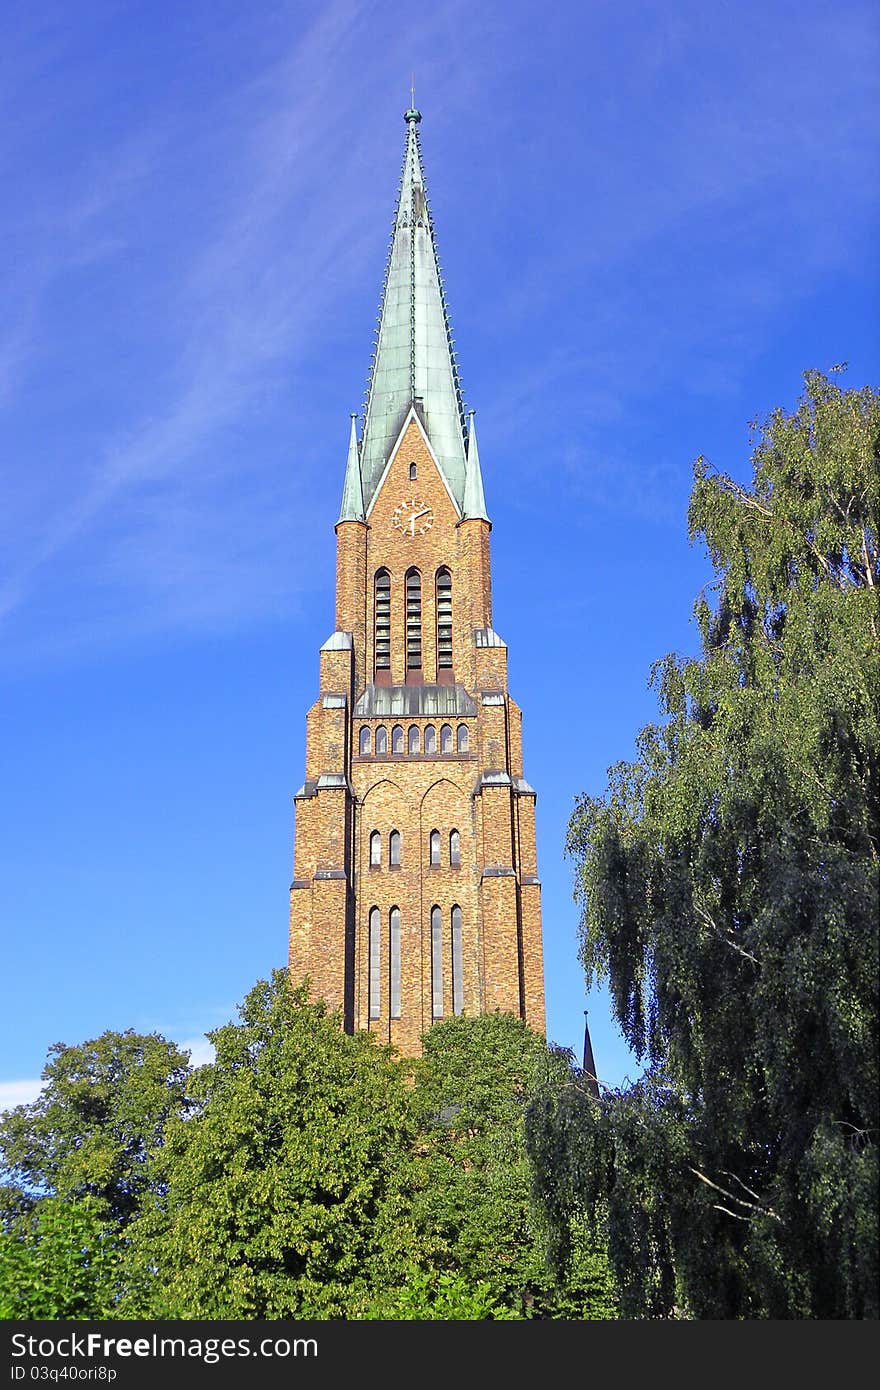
x: 652, y: 218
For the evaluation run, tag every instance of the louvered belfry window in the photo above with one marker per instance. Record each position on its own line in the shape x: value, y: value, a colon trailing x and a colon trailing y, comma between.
x: 444, y: 620
x: 413, y: 621
x: 383, y: 620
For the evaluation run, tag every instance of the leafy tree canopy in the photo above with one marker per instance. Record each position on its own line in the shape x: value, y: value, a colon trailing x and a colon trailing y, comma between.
x: 281, y: 1197
x: 472, y: 1206
x: 729, y: 884
x: 97, y: 1121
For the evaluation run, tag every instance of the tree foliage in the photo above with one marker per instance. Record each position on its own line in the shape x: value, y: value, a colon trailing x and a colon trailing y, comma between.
x: 282, y: 1196
x: 729, y: 884
x: 473, y: 1209
x: 98, y: 1120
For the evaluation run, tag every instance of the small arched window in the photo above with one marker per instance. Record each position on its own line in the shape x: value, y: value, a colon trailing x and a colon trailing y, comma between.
x: 457, y: 963
x: 413, y: 620
x: 381, y: 741
x: 444, y: 620
x: 454, y: 848
x: 382, y: 620
x: 430, y: 740
x: 446, y: 738
x: 397, y: 739
x: 437, y: 962
x: 394, y: 849
x: 394, y: 945
x: 413, y: 472
x: 412, y: 739
x: 375, y: 945
x: 434, y: 846
x: 375, y: 849
x: 364, y: 745
x: 462, y: 738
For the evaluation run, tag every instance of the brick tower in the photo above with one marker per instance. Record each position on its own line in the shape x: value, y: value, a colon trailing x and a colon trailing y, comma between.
x: 415, y: 891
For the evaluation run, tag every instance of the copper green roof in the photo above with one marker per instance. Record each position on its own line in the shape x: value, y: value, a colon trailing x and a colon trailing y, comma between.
x: 414, y: 361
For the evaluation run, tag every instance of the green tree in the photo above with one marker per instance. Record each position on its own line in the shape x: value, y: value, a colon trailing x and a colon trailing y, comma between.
x: 283, y: 1195
x: 97, y: 1121
x: 58, y: 1260
x: 729, y: 882
x: 472, y: 1205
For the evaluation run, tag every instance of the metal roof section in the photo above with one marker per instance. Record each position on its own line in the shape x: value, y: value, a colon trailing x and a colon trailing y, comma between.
x: 414, y: 701
x: 492, y: 697
x: 493, y: 778
x: 474, y: 498
x: 338, y: 642
x: 487, y: 637
x: 352, y: 508
x: 414, y: 360
x: 333, y: 701
x: 334, y: 781
x: 523, y: 788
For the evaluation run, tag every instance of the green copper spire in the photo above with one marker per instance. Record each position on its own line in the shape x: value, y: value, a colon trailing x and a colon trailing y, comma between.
x: 413, y: 363
x: 474, y: 498
x: 352, y: 493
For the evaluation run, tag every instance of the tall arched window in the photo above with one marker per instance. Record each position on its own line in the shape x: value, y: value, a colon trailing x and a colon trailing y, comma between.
x: 446, y: 738
x: 397, y: 739
x: 381, y: 741
x: 394, y: 945
x: 364, y: 745
x: 382, y: 618
x: 437, y: 962
x: 412, y: 739
x: 375, y: 849
x: 430, y: 740
x: 375, y: 961
x: 413, y: 621
x: 394, y: 849
x: 444, y: 620
x: 457, y: 969
x: 454, y: 848
x: 434, y: 844
x: 461, y: 739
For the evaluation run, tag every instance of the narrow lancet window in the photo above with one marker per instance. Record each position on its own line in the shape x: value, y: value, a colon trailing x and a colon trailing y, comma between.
x: 454, y: 848
x: 364, y: 746
x: 437, y: 962
x: 435, y: 846
x: 397, y: 739
x: 381, y: 741
x: 382, y: 611
x: 413, y: 739
x: 375, y: 849
x: 462, y: 739
x: 444, y: 620
x: 430, y: 740
x: 394, y: 849
x: 457, y: 980
x: 413, y: 621
x: 394, y: 942
x: 375, y: 961
x: 446, y: 738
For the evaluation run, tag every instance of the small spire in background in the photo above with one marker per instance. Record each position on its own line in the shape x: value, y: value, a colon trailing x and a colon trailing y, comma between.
x: 589, y: 1062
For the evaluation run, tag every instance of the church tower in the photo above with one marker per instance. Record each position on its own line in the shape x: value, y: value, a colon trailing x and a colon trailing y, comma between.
x: 415, y: 893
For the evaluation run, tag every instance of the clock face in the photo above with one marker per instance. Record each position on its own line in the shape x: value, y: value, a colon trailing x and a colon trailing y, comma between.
x: 412, y: 518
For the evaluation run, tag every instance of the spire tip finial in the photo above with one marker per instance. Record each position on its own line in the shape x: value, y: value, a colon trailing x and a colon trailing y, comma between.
x: 412, y: 115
